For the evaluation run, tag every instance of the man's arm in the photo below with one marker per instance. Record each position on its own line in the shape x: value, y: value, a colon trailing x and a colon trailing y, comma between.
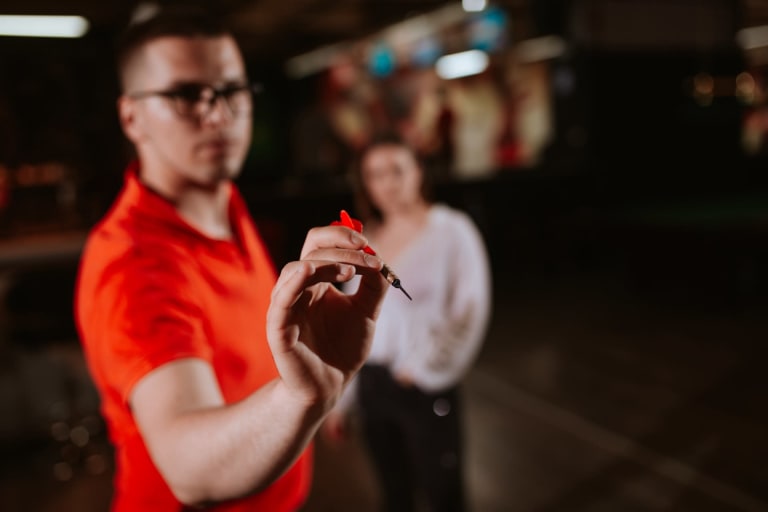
x: 209, y: 451
x: 319, y: 337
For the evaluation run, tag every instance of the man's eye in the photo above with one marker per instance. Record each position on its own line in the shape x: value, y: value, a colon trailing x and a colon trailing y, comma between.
x: 232, y: 90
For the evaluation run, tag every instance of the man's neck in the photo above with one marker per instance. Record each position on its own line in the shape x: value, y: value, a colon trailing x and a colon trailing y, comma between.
x: 207, y: 210
x: 204, y: 208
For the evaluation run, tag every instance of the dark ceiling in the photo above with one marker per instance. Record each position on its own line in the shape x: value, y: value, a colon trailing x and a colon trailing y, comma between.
x: 270, y: 29
x: 278, y: 29
x: 275, y: 30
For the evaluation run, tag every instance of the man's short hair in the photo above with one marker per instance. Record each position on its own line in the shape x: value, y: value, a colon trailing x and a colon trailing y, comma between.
x: 179, y: 21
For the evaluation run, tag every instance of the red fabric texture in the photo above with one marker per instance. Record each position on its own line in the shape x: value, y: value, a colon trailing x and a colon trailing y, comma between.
x: 152, y: 289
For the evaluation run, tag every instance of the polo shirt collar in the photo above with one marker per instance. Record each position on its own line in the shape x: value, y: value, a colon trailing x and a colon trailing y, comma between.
x: 149, y: 203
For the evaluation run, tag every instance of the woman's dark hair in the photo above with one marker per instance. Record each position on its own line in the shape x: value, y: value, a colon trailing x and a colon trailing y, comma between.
x: 364, y: 207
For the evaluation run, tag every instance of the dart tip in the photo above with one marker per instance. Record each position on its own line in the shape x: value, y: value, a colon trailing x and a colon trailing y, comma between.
x: 405, y: 292
x: 393, y: 280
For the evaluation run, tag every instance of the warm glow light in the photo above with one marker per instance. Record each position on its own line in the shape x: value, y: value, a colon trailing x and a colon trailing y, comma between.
x: 703, y: 88
x: 462, y: 64
x: 43, y: 26
x: 473, y: 5
x: 704, y: 84
x: 746, y: 88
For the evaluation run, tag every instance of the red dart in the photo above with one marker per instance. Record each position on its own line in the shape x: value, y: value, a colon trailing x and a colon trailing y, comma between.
x: 388, y: 273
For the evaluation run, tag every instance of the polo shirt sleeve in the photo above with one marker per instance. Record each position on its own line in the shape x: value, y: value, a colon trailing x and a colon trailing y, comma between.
x: 152, y: 318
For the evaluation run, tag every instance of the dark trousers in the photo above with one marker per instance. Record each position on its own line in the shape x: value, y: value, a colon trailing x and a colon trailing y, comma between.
x: 415, y: 442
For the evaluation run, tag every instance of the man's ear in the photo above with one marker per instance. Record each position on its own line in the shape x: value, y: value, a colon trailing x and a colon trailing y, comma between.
x: 126, y: 109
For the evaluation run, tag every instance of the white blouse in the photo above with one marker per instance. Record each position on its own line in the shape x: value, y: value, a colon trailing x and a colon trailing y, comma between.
x: 436, y: 337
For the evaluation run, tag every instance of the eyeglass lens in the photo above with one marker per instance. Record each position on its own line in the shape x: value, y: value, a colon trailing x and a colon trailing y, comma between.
x: 195, y: 100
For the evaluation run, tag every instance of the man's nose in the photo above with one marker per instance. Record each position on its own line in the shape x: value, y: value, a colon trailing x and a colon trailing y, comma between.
x: 218, y: 110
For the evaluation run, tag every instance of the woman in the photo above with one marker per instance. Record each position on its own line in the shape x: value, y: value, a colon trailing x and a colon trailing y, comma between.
x: 407, y: 393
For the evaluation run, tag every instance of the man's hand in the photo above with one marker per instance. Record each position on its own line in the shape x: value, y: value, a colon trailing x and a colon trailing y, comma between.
x: 208, y: 450
x: 320, y: 336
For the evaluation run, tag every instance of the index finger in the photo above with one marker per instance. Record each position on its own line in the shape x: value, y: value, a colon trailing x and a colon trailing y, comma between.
x: 332, y: 237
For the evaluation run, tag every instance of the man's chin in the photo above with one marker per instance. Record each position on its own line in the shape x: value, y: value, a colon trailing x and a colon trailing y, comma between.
x: 224, y: 169
x: 213, y: 176
x: 232, y: 171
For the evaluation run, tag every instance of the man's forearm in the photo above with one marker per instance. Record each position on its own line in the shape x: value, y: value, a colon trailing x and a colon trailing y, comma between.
x: 223, y: 452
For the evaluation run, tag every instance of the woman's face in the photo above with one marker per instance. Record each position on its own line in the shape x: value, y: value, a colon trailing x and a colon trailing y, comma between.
x: 392, y: 177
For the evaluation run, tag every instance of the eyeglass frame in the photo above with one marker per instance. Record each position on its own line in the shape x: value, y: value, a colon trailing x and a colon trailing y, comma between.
x: 176, y: 94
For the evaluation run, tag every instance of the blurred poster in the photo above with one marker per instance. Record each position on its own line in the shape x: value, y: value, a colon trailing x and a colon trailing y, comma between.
x: 482, y: 116
x: 532, y: 116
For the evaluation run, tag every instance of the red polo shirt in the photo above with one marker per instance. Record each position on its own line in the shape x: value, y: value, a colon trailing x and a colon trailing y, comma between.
x: 152, y: 289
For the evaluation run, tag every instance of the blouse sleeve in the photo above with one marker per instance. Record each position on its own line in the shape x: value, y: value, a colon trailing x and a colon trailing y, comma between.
x: 443, y: 342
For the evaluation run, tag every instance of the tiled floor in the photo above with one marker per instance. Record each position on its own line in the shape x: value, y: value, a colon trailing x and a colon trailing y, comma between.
x: 589, y: 395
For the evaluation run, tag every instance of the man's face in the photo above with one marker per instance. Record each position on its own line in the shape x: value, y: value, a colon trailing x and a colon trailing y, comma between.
x: 188, y: 148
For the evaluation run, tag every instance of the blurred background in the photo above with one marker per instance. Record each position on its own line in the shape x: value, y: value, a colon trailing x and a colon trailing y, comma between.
x: 614, y: 154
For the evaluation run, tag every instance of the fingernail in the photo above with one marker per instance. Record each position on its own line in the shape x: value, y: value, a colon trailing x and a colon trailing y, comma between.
x: 372, y: 261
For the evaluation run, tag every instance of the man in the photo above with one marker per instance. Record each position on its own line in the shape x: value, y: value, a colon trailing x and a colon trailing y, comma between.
x: 214, y: 374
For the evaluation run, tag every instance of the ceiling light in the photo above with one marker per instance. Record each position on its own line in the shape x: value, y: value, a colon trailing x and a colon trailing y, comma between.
x: 473, y: 5
x: 462, y: 64
x: 43, y: 26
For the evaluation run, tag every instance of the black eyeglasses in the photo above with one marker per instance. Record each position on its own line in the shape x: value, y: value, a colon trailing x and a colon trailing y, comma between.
x: 195, y: 100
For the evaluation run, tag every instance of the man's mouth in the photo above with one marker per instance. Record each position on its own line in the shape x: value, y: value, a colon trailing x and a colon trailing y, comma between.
x: 216, y: 146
